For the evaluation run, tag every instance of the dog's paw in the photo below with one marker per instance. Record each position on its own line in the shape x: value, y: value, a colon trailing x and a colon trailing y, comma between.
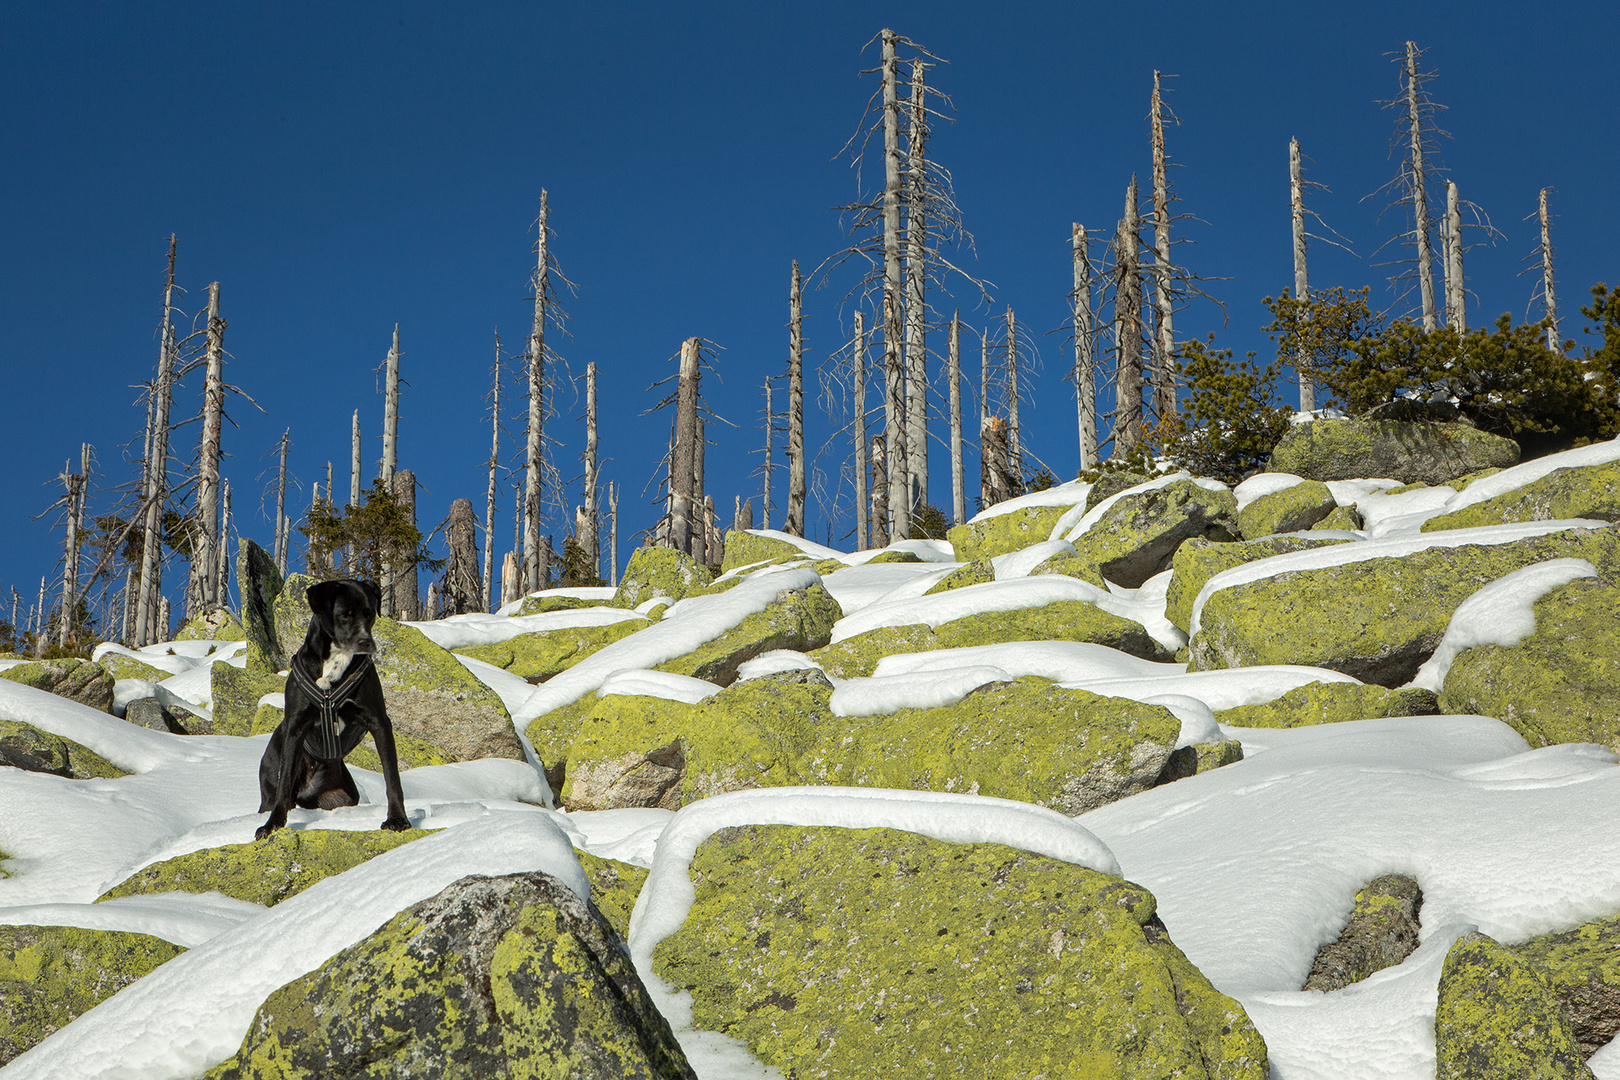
x: 396, y: 824
x: 263, y: 831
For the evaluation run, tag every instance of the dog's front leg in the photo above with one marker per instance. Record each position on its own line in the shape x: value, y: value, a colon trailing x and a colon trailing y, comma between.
x: 291, y: 733
x: 382, y: 733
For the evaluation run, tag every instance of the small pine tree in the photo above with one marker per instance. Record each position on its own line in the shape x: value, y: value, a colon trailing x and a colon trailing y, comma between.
x: 928, y: 522
x: 1230, y: 420
x: 378, y: 532
x: 575, y: 567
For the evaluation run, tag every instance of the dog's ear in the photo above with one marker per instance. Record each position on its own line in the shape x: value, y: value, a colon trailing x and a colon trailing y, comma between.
x: 321, y: 597
x: 373, y: 594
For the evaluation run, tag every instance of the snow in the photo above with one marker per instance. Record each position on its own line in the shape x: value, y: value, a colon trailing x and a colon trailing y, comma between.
x: 1017, y: 564
x: 809, y: 547
x: 1072, y: 493
x: 1501, y: 613
x: 479, y: 628
x: 599, y: 593
x: 855, y: 587
x: 1519, y: 475
x: 659, y: 684
x: 1061, y: 661
x: 1266, y: 483
x: 773, y: 662
x: 1345, y: 554
x: 913, y: 690
x: 179, y: 657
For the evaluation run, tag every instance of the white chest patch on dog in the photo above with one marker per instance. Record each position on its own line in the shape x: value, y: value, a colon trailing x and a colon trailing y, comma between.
x: 331, y: 671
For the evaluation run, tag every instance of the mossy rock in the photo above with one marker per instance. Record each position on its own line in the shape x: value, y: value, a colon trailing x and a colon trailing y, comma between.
x: 265, y: 871
x: 659, y: 572
x: 1423, y: 453
x: 51, y: 975
x: 409, y: 752
x: 1461, y: 483
x: 1560, y: 684
x: 1198, y: 560
x: 1498, y: 1019
x: 1381, y: 932
x: 1071, y: 564
x: 974, y: 573
x: 26, y: 747
x: 236, y: 697
x: 1588, y: 491
x: 1138, y: 535
x: 860, y: 953
x: 1342, y: 518
x: 120, y: 666
x: 258, y: 582
x: 538, y: 656
x: 1292, y: 509
x: 797, y: 619
x: 541, y: 603
x: 1002, y: 534
x: 511, y: 976
x: 1062, y: 620
x: 83, y: 681
x: 745, y: 548
x: 1377, y: 620
x: 1029, y: 740
x: 614, y: 888
x: 1331, y: 703
x: 876, y: 560
x: 1110, y: 483
x: 1583, y: 968
x: 216, y: 625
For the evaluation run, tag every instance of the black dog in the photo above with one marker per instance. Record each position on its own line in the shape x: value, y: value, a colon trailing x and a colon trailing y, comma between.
x: 334, y: 698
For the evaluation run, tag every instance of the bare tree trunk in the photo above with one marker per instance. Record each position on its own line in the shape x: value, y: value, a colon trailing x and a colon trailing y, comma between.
x: 463, y: 585
x: 1553, y: 342
x: 1015, y: 449
x: 700, y: 524
x: 586, y: 530
x: 1085, y: 361
x: 1164, y: 380
x: 995, y: 479
x: 795, y: 448
x: 613, y: 533
x: 1456, y: 310
x: 683, y: 454
x: 406, y: 596
x: 128, y: 636
x: 157, y: 467
x: 222, y: 568
x: 39, y: 612
x: 165, y: 619
x: 894, y: 428
x: 494, y: 464
x: 1420, y: 196
x: 432, y: 609
x: 511, y: 589
x: 984, y: 376
x: 1302, y: 288
x: 713, y: 542
x: 75, y: 485
x: 916, y: 300
x: 201, y: 595
x: 858, y: 425
x: 1127, y: 332
x: 534, y: 573
x: 390, y: 458
x: 770, y: 442
x: 281, y: 505
x: 880, y: 492
x: 954, y: 355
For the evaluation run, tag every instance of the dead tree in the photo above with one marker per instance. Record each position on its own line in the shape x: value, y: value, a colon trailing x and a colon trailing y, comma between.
x: 282, y: 529
x: 683, y: 451
x: 1542, y: 258
x: 1417, y: 134
x: 201, y: 595
x: 954, y: 369
x: 794, y: 524
x: 1015, y: 450
x: 1456, y: 315
x: 917, y: 198
x: 546, y: 311
x: 699, y: 540
x: 857, y: 365
x: 403, y: 599
x: 222, y: 565
x: 510, y: 591
x: 995, y: 464
x: 586, y: 516
x: 770, y: 465
x: 156, y: 469
x: 880, y: 492
x: 73, y: 499
x: 613, y: 534
x: 494, y: 464
x: 1164, y: 361
x: 462, y: 590
x: 1128, y: 420
x: 1302, y: 287
x: 390, y: 455
x: 1085, y: 349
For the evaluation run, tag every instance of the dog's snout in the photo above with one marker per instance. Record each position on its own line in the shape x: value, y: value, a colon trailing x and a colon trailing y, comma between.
x: 365, y: 645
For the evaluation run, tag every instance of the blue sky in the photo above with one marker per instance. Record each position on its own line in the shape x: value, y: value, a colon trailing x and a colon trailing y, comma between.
x: 341, y: 168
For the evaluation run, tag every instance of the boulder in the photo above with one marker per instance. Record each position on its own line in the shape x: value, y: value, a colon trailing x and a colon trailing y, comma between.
x: 1340, y: 518
x: 614, y: 888
x: 1112, y: 483
x: 797, y: 619
x: 409, y: 752
x: 123, y: 666
x: 50, y: 975
x: 1062, y: 620
x: 1138, y: 535
x: 24, y: 746
x: 542, y: 602
x: 215, y: 624
x: 494, y: 976
x: 236, y: 693
x: 83, y: 681
x: 974, y: 573
x: 1561, y: 683
x: 1000, y: 534
x: 745, y: 548
x: 264, y: 871
x: 1331, y: 703
x: 1411, y: 452
x: 1198, y: 560
x: 430, y: 696
x: 1583, y: 968
x: 1589, y: 491
x: 659, y: 572
x: 1292, y: 509
x: 873, y: 952
x: 538, y: 656
x: 150, y: 712
x: 259, y: 583
x: 1498, y: 1019
x: 1382, y: 931
x: 1377, y: 620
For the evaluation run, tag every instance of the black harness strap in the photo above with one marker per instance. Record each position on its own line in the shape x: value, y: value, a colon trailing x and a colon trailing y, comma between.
x: 325, y: 742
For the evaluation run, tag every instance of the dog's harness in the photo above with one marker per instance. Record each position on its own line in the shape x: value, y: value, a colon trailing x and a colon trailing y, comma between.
x: 327, y: 741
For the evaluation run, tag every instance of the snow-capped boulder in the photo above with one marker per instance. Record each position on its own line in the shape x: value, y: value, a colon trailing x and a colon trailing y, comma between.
x: 1137, y: 536
x: 547, y: 600
x: 1498, y: 1018
x: 747, y: 548
x: 1301, y: 506
x: 1381, y: 932
x: 51, y: 974
x: 1339, y: 519
x: 494, y: 976
x: 83, y: 681
x: 120, y: 664
x: 1426, y: 453
x: 215, y: 624
x: 994, y: 534
x: 877, y: 952
x: 538, y: 656
x: 797, y: 619
x: 1583, y: 967
x: 1330, y: 703
x: 655, y: 572
x: 974, y: 573
x: 1591, y: 491
x: 1199, y: 559
x: 24, y: 746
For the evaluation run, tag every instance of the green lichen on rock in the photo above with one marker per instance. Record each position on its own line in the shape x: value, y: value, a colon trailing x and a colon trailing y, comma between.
x: 1002, y: 534
x: 974, y: 573
x: 1215, y: 755
x: 858, y: 953
x: 50, y: 975
x: 876, y: 560
x: 614, y: 888
x: 1138, y: 535
x: 264, y: 871
x: 659, y: 571
x: 1341, y: 518
x: 120, y: 666
x: 798, y: 619
x: 1198, y: 560
x: 409, y: 752
x: 1498, y: 1019
x: 494, y: 977
x: 747, y: 548
x: 1030, y: 740
x: 236, y: 693
x: 629, y: 752
x: 1589, y: 491
x: 215, y: 625
x: 1424, y: 453
x: 1302, y: 506
x: 1381, y: 932
x: 1560, y: 684
x: 1377, y: 620
x: 24, y: 746
x: 1331, y: 703
x: 1112, y: 482
x: 1583, y: 968
x: 540, y: 655
x: 542, y: 602
x: 258, y: 582
x: 1062, y: 620
x: 77, y: 680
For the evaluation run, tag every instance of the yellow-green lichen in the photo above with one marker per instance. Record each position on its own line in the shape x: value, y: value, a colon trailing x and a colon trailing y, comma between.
x: 1582, y: 966
x: 1382, y: 931
x: 216, y: 625
x: 120, y: 666
x: 1589, y: 491
x: 974, y: 573
x: 1289, y: 510
x: 1138, y: 535
x: 25, y: 746
x: 1001, y: 534
x: 1428, y: 453
x: 614, y: 888
x: 1341, y: 518
x: 1330, y: 703
x: 1198, y: 560
x: 236, y: 693
x: 798, y: 619
x: 542, y: 602
x: 538, y: 656
x: 659, y: 572
x: 747, y: 549
x: 69, y: 677
x: 1498, y: 1019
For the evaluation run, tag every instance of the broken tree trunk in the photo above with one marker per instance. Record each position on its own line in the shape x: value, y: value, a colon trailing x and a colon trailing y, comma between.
x: 1419, y: 188
x: 700, y: 525
x: 1456, y: 313
x: 880, y: 492
x: 156, y: 468
x: 585, y: 526
x: 1015, y: 450
x: 406, y: 596
x: 894, y: 428
x: 1302, y: 288
x: 1553, y: 342
x: 390, y: 457
x: 1085, y: 362
x: 281, y: 505
x: 857, y: 364
x: 795, y: 447
x: 916, y: 237
x: 1164, y: 366
x: 1127, y: 332
x: 954, y: 360
x: 613, y: 534
x: 201, y: 594
x: 463, y: 589
x: 995, y: 478
x: 770, y: 442
x: 683, y: 452
x: 510, y: 590
x: 75, y: 486
x: 222, y: 565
